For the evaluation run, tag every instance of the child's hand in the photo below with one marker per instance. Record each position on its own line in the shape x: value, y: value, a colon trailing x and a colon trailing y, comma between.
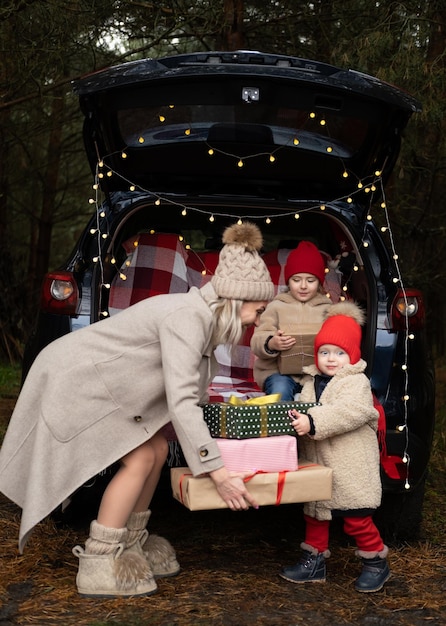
x: 300, y: 423
x: 280, y: 342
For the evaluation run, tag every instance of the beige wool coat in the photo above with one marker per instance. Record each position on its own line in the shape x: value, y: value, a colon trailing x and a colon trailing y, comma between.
x: 95, y: 394
x: 345, y: 439
x: 282, y: 313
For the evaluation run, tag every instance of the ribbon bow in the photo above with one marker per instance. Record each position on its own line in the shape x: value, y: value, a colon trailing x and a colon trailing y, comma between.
x: 260, y: 401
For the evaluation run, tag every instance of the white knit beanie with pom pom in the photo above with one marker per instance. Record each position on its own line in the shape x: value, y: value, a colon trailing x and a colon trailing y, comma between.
x: 241, y: 273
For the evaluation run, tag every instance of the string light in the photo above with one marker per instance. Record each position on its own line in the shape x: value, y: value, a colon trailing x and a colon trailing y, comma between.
x: 366, y: 185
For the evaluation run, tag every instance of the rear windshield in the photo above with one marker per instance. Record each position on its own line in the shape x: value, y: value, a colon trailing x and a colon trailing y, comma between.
x: 257, y: 123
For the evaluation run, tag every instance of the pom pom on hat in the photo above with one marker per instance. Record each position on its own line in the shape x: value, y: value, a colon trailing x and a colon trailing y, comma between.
x: 305, y: 259
x: 241, y: 273
x: 342, y: 327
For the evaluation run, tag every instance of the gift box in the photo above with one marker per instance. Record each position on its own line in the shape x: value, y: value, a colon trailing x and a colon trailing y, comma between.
x: 293, y: 360
x: 266, y: 454
x: 309, y: 483
x: 251, y: 418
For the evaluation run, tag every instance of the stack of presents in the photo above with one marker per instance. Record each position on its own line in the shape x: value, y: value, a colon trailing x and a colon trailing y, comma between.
x: 255, y: 436
x: 253, y: 432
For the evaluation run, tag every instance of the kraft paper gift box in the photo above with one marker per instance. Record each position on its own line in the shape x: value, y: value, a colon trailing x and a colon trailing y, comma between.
x: 309, y: 483
x: 257, y: 417
x: 293, y: 360
x: 265, y: 454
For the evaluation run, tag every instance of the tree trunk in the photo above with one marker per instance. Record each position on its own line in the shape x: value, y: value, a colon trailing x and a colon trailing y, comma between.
x: 234, y: 31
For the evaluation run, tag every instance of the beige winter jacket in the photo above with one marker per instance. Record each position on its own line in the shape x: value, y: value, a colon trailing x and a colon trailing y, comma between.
x: 95, y: 394
x: 346, y: 440
x: 280, y: 314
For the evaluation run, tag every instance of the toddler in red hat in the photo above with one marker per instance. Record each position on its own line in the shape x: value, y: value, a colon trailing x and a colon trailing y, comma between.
x: 341, y: 433
x: 283, y: 341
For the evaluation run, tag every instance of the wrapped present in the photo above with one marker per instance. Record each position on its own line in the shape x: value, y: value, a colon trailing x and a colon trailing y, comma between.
x: 256, y: 417
x: 293, y: 360
x: 309, y: 483
x: 266, y: 454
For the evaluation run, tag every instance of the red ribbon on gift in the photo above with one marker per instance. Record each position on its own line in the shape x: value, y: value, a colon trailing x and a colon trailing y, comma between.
x: 280, y: 482
x: 183, y: 476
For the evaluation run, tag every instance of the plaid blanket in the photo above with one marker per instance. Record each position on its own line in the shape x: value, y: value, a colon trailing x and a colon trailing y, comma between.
x: 155, y: 264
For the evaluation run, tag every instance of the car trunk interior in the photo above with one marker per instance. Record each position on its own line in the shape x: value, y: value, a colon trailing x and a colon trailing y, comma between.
x: 147, y: 256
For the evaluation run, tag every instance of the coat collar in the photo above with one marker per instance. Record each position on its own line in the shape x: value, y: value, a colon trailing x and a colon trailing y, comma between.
x: 347, y: 370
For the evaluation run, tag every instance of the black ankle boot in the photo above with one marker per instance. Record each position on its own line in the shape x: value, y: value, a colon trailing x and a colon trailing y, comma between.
x: 309, y: 569
x: 375, y: 572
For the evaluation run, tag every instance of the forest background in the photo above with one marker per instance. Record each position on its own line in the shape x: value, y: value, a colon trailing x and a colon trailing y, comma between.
x: 45, y: 181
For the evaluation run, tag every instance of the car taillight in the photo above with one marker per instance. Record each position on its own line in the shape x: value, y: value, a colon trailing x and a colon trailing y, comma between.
x: 408, y: 311
x: 60, y: 293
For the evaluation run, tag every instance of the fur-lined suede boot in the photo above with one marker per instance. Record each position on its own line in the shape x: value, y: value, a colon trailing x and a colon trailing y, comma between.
x: 108, y: 570
x: 309, y: 569
x: 157, y: 550
x: 375, y: 571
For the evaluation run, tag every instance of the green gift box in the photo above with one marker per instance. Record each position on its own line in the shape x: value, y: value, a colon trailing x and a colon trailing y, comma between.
x: 241, y: 421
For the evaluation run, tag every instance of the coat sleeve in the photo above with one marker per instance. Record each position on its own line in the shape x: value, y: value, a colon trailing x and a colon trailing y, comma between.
x: 346, y: 406
x: 184, y: 338
x: 268, y: 325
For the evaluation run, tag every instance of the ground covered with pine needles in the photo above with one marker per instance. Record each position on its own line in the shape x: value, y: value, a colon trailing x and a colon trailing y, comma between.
x: 229, y: 568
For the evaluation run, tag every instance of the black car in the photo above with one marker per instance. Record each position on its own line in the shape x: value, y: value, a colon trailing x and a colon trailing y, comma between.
x: 182, y: 146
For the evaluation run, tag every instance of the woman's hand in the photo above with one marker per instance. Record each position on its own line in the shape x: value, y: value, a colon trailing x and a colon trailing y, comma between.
x: 300, y: 423
x: 232, y: 489
x: 280, y: 342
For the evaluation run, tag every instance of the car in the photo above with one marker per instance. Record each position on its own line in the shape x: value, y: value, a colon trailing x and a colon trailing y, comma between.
x: 181, y: 146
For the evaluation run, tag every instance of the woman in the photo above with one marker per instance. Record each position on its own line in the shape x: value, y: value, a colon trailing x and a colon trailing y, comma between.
x: 134, y: 373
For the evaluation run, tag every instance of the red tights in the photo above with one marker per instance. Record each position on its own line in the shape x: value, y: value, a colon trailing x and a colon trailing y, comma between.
x: 362, y: 529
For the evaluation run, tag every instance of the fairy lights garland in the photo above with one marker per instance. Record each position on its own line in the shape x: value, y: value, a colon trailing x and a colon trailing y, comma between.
x: 367, y: 186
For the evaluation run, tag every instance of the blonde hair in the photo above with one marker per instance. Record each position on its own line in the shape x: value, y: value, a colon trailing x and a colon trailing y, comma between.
x: 227, y: 322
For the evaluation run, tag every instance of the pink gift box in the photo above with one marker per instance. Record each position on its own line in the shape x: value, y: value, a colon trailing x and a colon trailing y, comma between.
x: 260, y: 454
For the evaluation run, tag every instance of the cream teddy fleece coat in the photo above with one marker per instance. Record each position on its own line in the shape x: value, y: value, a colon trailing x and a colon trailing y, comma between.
x: 345, y: 440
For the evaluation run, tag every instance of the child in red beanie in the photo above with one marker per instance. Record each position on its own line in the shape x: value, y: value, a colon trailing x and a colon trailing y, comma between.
x: 341, y: 433
x: 284, y: 338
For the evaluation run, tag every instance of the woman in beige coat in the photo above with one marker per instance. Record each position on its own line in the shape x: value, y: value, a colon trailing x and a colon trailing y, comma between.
x: 132, y: 373
x: 341, y: 433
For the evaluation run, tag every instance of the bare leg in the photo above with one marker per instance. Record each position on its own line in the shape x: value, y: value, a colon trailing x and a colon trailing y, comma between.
x: 133, y: 486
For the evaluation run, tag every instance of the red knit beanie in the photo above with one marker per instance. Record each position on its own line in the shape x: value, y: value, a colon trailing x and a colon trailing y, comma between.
x: 305, y: 259
x: 342, y: 328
